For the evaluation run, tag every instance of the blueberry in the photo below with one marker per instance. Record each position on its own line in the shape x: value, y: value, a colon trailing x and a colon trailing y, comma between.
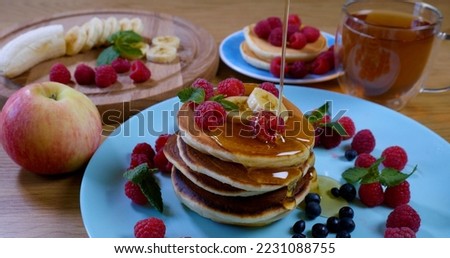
x: 319, y: 230
x: 347, y: 191
x: 298, y: 235
x: 343, y: 234
x: 312, y: 210
x: 350, y: 154
x: 347, y: 224
x: 312, y: 197
x: 346, y: 212
x: 333, y: 224
x: 298, y: 227
x: 335, y: 192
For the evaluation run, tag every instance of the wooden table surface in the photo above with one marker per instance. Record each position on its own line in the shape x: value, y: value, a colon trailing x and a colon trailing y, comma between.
x: 37, y: 206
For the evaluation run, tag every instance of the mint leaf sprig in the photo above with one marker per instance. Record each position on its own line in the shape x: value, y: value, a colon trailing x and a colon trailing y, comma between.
x: 315, y: 117
x: 126, y: 44
x: 144, y: 177
x: 387, y: 176
x: 197, y: 95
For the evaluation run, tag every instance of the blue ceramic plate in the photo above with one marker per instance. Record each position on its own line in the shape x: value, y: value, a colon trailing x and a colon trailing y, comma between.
x: 231, y: 56
x: 107, y: 212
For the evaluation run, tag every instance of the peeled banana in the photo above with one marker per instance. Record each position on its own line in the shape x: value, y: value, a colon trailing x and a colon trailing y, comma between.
x: 260, y: 100
x: 31, y: 48
x: 161, y: 54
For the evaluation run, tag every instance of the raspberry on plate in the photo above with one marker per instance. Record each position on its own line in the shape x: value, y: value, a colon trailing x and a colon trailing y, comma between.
x: 210, y: 115
x: 294, y: 19
x: 275, y: 22
x: 262, y: 29
x: 275, y: 67
x: 363, y: 141
x: 320, y: 66
x: 330, y: 138
x: 371, y: 194
x: 397, y: 195
x: 105, y: 76
x: 364, y: 160
x: 205, y: 85
x: 311, y: 33
x: 270, y: 87
x: 401, y: 232
x: 394, y: 157
x: 266, y: 125
x: 297, y: 40
x: 161, y: 141
x: 139, y: 72
x: 231, y: 87
x: 144, y: 148
x: 121, y: 65
x: 150, y: 228
x: 349, y: 127
x: 404, y: 216
x: 142, y: 153
x: 59, y: 73
x: 134, y: 192
x: 297, y: 69
x: 84, y: 74
x: 161, y: 162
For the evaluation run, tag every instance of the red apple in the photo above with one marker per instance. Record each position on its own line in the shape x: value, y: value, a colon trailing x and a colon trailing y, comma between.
x: 50, y: 128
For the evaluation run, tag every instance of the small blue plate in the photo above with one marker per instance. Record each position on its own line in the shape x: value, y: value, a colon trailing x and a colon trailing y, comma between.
x: 230, y: 54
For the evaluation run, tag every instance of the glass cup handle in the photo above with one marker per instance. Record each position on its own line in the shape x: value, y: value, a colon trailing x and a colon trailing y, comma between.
x: 443, y: 36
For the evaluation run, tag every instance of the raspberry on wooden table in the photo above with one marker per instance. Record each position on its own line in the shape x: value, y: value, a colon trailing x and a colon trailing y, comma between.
x: 139, y: 72
x: 59, y: 73
x: 121, y: 65
x: 231, y: 87
x: 150, y: 228
x: 105, y: 76
x: 84, y: 75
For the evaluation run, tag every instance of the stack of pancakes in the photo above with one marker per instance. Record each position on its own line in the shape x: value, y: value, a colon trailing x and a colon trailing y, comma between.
x: 230, y: 177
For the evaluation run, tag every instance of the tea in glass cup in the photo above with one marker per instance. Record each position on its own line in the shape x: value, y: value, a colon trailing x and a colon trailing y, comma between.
x: 384, y: 49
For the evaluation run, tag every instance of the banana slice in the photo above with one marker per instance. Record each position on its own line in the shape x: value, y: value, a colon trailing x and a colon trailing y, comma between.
x: 125, y: 24
x: 260, y: 100
x: 242, y: 114
x: 107, y: 28
x: 173, y: 41
x: 161, y: 54
x: 115, y: 26
x: 137, y: 25
x: 75, y: 39
x: 32, y: 48
x: 94, y: 30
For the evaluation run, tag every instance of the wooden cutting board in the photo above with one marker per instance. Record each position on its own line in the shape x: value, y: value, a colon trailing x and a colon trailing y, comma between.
x: 197, y: 57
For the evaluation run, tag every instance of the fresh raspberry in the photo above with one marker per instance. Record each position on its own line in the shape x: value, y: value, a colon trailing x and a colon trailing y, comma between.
x: 262, y: 29
x: 161, y: 162
x: 297, y: 40
x: 231, y: 87
x: 150, y: 228
x: 266, y: 125
x: 210, y: 115
x: 275, y: 67
x: 371, y: 194
x: 134, y: 192
x: 144, y: 148
x: 275, y: 22
x: 138, y: 159
x: 397, y: 195
x: 329, y: 56
x: 270, y: 87
x: 291, y: 30
x: 139, y: 72
x: 330, y: 138
x: 276, y: 37
x: 318, y: 131
x: 311, y: 33
x: 121, y: 65
x: 395, y: 157
x: 349, y: 127
x: 161, y: 141
x: 105, y: 76
x: 402, y: 232
x: 205, y: 85
x: 320, y: 66
x: 364, y: 160
x: 84, y: 75
x: 404, y: 216
x: 59, y: 73
x: 298, y: 69
x: 363, y: 141
x: 294, y: 19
